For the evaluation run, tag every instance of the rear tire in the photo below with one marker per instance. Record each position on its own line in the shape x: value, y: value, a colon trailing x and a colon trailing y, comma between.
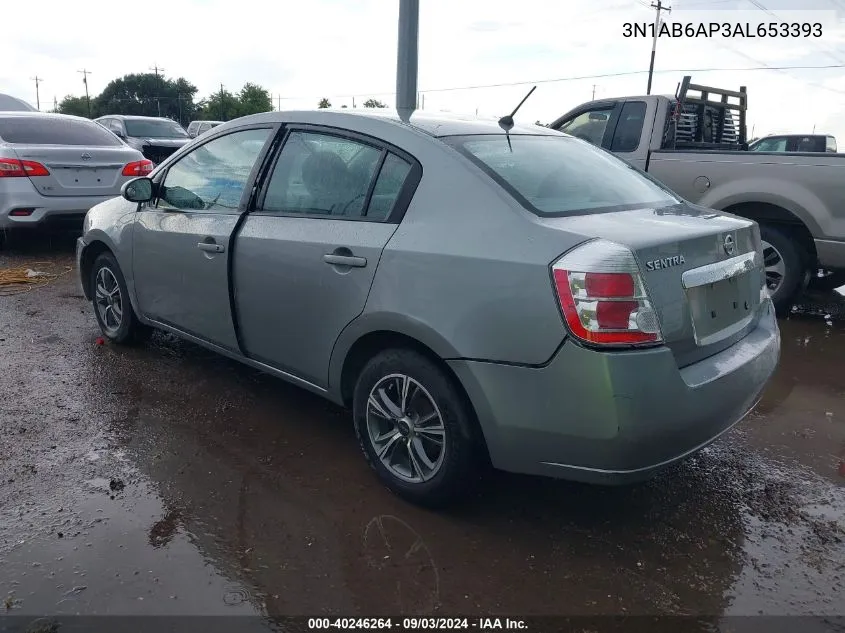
x: 786, y: 267
x: 112, y: 306
x: 400, y: 441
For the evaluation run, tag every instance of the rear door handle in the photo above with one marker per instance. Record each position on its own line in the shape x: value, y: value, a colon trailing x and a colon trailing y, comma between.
x: 345, y: 260
x: 211, y: 247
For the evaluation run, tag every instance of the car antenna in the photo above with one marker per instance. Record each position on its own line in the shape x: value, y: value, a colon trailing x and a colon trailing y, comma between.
x: 506, y: 122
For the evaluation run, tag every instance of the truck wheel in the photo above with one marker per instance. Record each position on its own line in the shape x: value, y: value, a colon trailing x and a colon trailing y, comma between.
x: 410, y: 419
x: 785, y: 267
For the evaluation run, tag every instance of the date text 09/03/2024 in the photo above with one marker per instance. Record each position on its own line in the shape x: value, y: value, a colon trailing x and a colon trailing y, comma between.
x: 723, y: 29
x: 417, y: 624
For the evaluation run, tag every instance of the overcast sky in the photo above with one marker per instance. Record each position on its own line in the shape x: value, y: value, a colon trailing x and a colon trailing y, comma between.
x: 307, y: 49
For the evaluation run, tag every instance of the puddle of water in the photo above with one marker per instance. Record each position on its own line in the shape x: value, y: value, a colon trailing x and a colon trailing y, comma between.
x: 110, y: 568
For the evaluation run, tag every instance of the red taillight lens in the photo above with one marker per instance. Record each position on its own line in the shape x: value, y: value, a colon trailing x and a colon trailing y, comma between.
x: 602, y: 296
x: 138, y: 168
x: 21, y: 213
x: 14, y: 168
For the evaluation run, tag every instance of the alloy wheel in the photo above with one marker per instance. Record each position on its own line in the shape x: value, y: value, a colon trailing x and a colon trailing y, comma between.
x: 109, y: 300
x: 406, y: 428
x: 775, y: 267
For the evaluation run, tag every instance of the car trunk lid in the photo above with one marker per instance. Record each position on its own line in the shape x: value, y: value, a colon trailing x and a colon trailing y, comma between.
x: 702, y: 269
x: 78, y: 171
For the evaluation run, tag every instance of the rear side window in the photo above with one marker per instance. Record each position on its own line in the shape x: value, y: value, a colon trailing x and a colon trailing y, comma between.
x: 55, y: 131
x: 626, y: 138
x: 320, y: 174
x: 389, y: 185
x: 556, y: 175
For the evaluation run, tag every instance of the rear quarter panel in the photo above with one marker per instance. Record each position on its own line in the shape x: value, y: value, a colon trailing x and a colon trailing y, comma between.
x: 810, y: 186
x: 467, y: 271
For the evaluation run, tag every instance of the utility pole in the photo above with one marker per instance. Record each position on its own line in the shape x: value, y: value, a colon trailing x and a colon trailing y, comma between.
x: 85, y: 74
x: 55, y: 104
x: 407, y: 61
x: 594, y: 93
x: 37, y: 81
x: 280, y: 102
x: 659, y: 7
x: 156, y: 70
x: 222, y: 111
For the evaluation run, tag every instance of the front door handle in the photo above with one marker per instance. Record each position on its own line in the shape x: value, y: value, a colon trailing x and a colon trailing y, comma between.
x: 211, y: 247
x: 345, y: 260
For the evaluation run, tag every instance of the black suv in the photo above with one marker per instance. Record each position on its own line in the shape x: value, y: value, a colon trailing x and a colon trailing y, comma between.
x: 156, y: 138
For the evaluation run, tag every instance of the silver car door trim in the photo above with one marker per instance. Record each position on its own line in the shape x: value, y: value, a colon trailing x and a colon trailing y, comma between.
x: 719, y: 271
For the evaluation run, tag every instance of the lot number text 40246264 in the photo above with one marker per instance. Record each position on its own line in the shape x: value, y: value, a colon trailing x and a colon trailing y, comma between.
x: 723, y: 29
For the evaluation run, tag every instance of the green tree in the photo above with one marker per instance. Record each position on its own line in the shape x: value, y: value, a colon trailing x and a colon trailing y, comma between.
x: 324, y: 103
x: 374, y: 103
x: 75, y: 105
x: 254, y: 99
x: 148, y: 95
x: 221, y: 106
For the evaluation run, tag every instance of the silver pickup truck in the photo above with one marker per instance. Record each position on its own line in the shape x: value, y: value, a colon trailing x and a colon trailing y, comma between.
x: 696, y: 145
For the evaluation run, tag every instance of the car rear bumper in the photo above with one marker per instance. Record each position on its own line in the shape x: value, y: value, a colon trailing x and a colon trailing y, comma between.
x: 44, y: 208
x: 616, y: 417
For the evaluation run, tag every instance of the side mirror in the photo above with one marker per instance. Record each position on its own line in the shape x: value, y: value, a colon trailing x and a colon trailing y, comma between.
x: 138, y: 190
x: 119, y: 134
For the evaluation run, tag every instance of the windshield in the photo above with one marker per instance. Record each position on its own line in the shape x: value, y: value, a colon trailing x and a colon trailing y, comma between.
x: 155, y: 128
x: 558, y: 175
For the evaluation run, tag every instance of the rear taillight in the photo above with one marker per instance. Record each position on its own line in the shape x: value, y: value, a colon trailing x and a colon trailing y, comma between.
x: 138, y: 168
x: 14, y: 168
x: 602, y: 296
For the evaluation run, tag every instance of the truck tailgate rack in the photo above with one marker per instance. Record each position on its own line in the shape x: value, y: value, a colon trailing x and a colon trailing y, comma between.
x: 708, y: 120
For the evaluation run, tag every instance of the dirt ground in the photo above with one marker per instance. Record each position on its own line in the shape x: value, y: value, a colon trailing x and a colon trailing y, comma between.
x: 168, y: 480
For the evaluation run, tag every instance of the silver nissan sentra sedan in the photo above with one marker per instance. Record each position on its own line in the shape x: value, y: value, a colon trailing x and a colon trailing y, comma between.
x: 475, y: 297
x: 57, y: 166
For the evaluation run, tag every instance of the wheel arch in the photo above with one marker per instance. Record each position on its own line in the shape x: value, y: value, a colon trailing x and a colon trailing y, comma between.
x: 768, y: 213
x: 359, y: 347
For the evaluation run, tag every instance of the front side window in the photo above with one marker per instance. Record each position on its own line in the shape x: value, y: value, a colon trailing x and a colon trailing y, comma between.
x: 589, y: 126
x: 556, y: 175
x: 154, y: 128
x: 212, y: 177
x: 320, y: 174
x: 55, y: 130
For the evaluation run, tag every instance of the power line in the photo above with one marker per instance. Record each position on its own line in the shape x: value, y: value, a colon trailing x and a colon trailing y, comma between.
x: 628, y: 73
x: 759, y: 5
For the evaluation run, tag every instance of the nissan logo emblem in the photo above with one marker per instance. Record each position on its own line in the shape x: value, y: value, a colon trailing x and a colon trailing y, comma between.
x: 730, y: 247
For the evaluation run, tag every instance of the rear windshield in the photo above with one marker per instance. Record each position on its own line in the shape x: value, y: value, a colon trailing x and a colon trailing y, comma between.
x: 55, y: 131
x: 559, y: 175
x: 154, y: 129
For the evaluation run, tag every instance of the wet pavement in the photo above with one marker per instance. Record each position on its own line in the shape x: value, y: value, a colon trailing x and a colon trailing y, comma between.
x: 168, y: 480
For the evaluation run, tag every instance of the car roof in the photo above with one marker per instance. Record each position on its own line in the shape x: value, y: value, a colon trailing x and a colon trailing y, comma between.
x: 8, y: 103
x: 133, y: 117
x: 41, y: 115
x: 436, y: 124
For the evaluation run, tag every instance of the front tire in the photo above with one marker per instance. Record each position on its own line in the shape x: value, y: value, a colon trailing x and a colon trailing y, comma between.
x: 413, y: 426
x: 786, y: 267
x: 112, y: 307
